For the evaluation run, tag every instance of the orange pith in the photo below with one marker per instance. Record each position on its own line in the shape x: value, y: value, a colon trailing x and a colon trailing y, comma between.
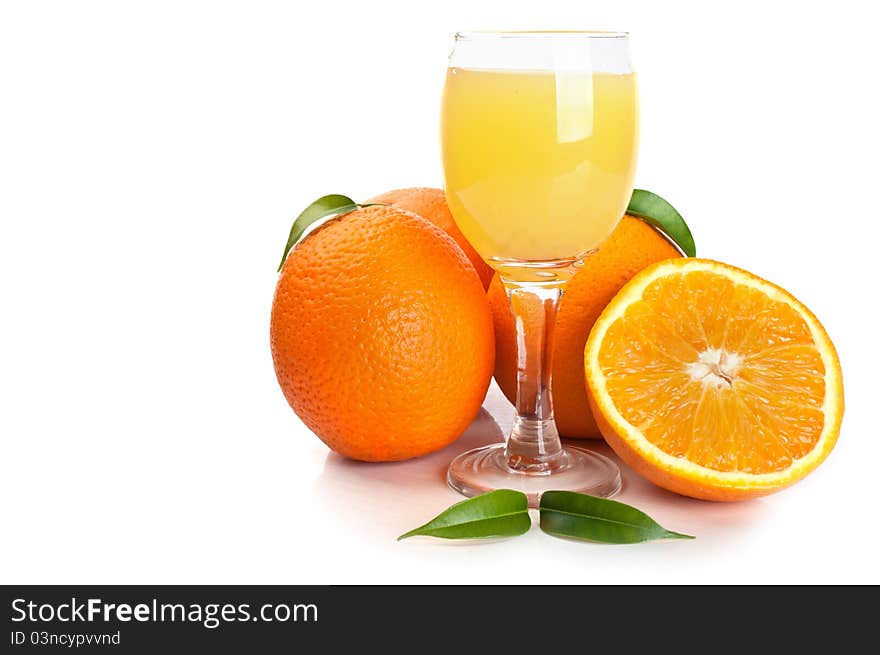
x: 713, y: 382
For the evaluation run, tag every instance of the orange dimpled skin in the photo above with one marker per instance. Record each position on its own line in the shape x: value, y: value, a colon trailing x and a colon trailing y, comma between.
x: 381, y: 335
x: 431, y: 205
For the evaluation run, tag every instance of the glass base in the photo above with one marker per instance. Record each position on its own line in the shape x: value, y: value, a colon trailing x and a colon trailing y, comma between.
x: 485, y: 469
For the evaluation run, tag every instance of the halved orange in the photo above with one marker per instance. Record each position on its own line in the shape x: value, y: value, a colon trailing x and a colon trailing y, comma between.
x: 712, y: 382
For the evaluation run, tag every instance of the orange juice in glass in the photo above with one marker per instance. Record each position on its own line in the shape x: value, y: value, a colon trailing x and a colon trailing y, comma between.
x: 539, y: 138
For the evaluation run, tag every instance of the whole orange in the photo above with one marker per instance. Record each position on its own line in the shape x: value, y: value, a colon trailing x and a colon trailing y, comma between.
x: 381, y: 335
x: 631, y: 247
x: 431, y: 204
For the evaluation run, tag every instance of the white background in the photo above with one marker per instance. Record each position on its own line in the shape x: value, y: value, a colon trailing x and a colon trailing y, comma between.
x: 152, y: 156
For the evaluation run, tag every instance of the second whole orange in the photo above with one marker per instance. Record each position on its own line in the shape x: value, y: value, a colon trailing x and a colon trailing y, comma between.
x: 631, y: 247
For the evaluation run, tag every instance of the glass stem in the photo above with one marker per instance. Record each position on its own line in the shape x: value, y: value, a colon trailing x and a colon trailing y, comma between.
x: 534, y: 445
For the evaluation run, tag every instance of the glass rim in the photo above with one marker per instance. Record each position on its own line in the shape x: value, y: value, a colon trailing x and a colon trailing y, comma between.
x: 539, y: 34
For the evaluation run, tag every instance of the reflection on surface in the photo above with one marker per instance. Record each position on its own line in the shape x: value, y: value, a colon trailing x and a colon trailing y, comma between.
x: 396, y: 496
x: 412, y: 474
x: 703, y: 519
x: 399, y: 494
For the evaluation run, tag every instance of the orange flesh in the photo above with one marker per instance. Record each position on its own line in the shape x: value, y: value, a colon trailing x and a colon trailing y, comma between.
x: 718, y: 373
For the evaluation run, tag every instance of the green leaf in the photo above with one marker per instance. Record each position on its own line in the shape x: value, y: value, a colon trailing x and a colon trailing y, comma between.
x: 570, y: 514
x: 323, y: 206
x: 656, y: 211
x: 501, y: 513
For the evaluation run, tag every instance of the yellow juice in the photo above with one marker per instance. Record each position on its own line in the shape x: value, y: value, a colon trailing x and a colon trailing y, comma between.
x: 539, y: 165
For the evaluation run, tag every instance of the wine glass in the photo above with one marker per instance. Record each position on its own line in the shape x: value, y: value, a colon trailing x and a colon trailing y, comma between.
x: 539, y: 137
